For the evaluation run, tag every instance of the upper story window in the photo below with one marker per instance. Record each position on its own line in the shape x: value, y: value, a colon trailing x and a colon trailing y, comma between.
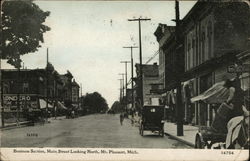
x: 203, y: 38
x: 209, y: 35
x: 25, y: 87
x: 6, y: 89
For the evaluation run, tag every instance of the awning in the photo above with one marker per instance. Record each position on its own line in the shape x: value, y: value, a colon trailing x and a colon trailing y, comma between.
x: 60, y: 105
x: 216, y: 94
x: 43, y: 104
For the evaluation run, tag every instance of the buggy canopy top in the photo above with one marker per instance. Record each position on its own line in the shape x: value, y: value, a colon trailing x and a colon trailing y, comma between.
x: 216, y: 94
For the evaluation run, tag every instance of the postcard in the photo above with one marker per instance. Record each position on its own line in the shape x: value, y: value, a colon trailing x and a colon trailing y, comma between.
x: 124, y: 80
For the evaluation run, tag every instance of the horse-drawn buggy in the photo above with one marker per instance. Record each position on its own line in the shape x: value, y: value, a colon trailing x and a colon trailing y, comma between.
x: 233, y: 132
x: 152, y: 119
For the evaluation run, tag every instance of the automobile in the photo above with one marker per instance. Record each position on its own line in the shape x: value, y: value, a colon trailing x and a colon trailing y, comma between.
x: 152, y: 119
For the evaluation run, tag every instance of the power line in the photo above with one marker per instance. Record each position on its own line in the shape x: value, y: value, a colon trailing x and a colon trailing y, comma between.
x: 152, y: 57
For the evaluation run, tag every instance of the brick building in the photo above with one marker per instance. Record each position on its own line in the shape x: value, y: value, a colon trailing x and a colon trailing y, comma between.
x: 213, y: 38
x: 35, y: 87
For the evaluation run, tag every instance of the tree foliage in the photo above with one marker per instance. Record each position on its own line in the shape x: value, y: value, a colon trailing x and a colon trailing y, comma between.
x: 117, y: 107
x: 22, y: 29
x: 95, y: 103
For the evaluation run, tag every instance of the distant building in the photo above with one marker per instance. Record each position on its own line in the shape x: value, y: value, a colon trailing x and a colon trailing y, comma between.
x: 150, y: 76
x: 75, y: 93
x: 36, y: 87
x: 66, y: 86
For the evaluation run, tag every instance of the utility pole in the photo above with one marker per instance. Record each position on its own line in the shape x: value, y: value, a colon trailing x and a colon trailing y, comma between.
x: 126, y: 82
x: 18, y: 88
x: 140, y: 50
x: 120, y: 89
x: 122, y: 84
x: 47, y: 84
x: 1, y: 90
x: 1, y: 82
x: 177, y: 65
x: 132, y: 72
x: 81, y: 89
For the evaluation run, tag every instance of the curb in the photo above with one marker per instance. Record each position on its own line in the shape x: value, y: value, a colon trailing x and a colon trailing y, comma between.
x: 24, y: 124
x: 181, y: 140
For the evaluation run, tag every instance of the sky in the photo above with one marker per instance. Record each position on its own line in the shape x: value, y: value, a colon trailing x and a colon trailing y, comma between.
x: 87, y: 38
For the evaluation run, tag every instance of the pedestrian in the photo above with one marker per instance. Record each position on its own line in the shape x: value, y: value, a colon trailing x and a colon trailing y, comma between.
x: 132, y: 118
x: 121, y: 118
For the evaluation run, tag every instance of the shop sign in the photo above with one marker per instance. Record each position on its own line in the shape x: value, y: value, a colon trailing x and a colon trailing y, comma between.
x: 25, y: 102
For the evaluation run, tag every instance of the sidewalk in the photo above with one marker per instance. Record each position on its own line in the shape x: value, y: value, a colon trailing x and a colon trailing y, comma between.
x: 28, y: 123
x: 189, y: 133
x: 15, y: 125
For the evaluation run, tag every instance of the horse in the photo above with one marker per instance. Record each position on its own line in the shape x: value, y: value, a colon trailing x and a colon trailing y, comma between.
x: 238, y: 132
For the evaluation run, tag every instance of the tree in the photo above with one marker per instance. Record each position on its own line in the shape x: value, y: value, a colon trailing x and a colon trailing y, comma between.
x: 117, y: 107
x: 95, y: 102
x: 22, y: 29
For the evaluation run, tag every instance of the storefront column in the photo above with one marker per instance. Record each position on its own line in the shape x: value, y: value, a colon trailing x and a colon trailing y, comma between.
x: 199, y: 114
x: 208, y: 115
x: 196, y: 114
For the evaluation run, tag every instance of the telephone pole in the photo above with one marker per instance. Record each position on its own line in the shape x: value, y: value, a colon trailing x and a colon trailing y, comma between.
x: 122, y: 84
x: 1, y: 91
x: 177, y: 65
x: 47, y: 85
x: 120, y: 89
x: 132, y: 72
x: 18, y: 89
x: 140, y: 51
x: 126, y: 82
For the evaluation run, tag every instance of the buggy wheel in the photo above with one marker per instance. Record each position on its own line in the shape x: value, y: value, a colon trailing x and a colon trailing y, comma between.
x: 199, y: 143
x: 141, y: 131
x: 162, y: 132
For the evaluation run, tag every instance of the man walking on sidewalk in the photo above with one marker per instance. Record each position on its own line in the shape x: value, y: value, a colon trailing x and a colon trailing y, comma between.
x: 121, y: 118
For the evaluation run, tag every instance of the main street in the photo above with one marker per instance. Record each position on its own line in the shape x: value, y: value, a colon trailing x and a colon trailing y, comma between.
x: 92, y: 131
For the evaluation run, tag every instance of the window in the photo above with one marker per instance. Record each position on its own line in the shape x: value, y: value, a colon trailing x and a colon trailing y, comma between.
x: 188, y: 55
x: 25, y: 87
x: 6, y: 89
x: 209, y: 35
x: 192, y: 53
x: 203, y: 36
